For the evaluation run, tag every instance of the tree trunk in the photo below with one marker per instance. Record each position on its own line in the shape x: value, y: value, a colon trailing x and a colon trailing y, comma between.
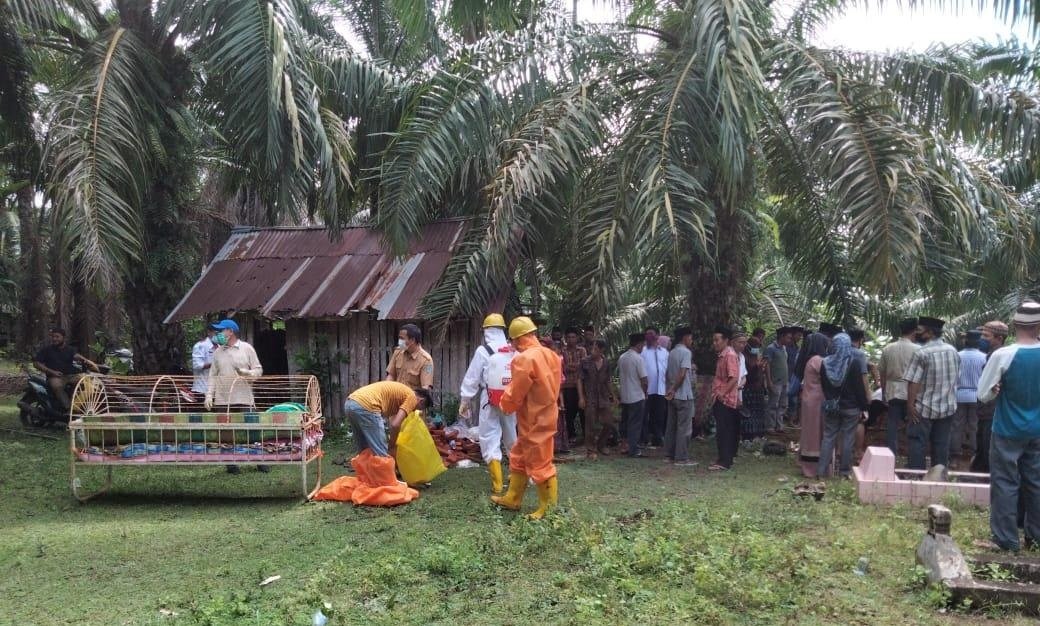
x: 32, y: 325
x: 717, y: 294
x: 83, y: 333
x: 158, y: 348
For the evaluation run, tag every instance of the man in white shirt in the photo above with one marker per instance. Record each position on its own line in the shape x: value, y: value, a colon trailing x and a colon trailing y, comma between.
x: 201, y: 359
x: 633, y: 378
x: 655, y: 358
x: 895, y: 358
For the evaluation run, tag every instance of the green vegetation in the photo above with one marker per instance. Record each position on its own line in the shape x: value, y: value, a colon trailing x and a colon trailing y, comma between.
x: 636, y: 541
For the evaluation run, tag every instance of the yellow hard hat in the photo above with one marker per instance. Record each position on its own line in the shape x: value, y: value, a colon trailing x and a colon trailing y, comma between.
x: 494, y: 320
x: 521, y: 326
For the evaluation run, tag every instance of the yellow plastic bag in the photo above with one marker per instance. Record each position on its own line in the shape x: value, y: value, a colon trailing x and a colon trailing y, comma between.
x: 417, y: 456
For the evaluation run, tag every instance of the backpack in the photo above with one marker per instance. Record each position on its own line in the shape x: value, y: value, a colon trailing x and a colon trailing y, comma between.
x: 499, y: 375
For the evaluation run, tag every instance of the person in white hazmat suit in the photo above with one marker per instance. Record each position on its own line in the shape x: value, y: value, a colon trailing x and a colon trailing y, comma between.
x: 486, y: 380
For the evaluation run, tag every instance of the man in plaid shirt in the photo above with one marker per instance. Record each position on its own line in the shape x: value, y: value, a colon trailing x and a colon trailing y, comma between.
x: 931, y: 395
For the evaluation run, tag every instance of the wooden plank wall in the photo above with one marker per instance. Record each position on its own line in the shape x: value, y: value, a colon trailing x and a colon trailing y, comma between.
x: 367, y: 344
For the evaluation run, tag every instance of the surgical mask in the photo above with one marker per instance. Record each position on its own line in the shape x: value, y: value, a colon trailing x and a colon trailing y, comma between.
x: 402, y: 344
x: 754, y: 351
x: 984, y: 345
x: 220, y: 339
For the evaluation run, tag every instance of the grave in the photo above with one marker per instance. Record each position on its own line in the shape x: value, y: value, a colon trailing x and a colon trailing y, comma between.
x: 879, y: 482
x: 1019, y: 583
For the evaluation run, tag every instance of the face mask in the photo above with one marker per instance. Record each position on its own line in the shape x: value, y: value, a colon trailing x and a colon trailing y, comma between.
x: 754, y: 351
x: 984, y: 345
x: 402, y: 344
x: 220, y: 339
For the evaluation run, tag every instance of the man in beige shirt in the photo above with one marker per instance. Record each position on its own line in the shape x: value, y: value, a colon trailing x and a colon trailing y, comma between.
x: 410, y: 364
x: 895, y: 357
x: 234, y: 366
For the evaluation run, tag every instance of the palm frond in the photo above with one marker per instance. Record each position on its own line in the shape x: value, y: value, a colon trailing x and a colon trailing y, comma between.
x: 99, y: 153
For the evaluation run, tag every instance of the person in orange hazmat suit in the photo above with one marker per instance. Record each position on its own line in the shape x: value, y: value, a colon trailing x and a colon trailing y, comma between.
x: 532, y: 393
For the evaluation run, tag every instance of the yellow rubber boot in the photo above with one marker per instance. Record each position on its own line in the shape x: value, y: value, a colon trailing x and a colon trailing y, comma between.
x: 515, y: 494
x: 548, y: 494
x: 495, y: 469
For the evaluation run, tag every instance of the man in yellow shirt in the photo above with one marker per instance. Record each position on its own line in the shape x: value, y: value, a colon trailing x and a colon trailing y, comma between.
x: 370, y: 406
x: 410, y: 364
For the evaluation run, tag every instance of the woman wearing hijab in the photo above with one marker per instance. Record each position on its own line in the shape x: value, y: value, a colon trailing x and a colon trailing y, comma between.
x: 753, y: 426
x: 846, y: 399
x: 810, y: 407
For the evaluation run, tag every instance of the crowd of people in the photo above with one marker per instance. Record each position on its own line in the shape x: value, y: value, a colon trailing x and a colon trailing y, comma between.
x: 534, y: 397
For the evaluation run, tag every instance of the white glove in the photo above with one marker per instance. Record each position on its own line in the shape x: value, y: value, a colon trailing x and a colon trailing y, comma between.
x: 208, y: 403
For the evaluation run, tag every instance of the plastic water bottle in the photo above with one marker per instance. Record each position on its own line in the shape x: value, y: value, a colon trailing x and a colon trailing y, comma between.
x: 319, y: 618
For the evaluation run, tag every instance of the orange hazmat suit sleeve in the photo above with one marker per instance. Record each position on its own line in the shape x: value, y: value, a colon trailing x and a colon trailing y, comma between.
x: 532, y: 395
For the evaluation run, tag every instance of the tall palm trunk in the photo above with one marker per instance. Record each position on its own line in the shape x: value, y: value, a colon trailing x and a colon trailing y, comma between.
x: 32, y: 324
x: 717, y: 294
x: 83, y: 333
x: 170, y: 261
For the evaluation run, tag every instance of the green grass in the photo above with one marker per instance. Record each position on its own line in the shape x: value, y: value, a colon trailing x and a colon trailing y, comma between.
x: 635, y: 542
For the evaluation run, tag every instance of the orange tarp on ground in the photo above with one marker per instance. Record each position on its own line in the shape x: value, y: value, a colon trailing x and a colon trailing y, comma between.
x: 376, y: 483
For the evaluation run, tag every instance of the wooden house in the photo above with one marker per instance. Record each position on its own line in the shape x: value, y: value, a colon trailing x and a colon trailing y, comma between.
x: 300, y: 296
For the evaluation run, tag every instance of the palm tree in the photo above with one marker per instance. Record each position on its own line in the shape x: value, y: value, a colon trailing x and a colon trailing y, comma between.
x: 162, y: 91
x: 20, y: 153
x: 879, y: 170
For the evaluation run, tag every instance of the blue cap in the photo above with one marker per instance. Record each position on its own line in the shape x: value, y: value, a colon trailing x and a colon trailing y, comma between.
x: 226, y: 324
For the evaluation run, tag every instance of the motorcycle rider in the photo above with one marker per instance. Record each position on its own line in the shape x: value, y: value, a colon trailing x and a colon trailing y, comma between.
x: 57, y: 361
x: 497, y: 429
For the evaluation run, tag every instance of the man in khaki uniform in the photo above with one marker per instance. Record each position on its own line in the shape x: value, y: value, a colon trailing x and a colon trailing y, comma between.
x: 410, y: 364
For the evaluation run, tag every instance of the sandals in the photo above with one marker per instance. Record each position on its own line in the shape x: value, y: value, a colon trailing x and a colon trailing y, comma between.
x: 715, y: 467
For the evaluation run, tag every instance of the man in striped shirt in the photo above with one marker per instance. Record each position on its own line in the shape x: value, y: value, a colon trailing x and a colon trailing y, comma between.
x: 931, y: 395
x: 966, y: 420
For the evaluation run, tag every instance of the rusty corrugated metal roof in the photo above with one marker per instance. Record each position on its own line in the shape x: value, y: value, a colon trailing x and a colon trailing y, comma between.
x: 300, y: 272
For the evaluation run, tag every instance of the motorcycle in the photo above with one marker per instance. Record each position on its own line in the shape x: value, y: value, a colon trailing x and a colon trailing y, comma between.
x: 38, y: 407
x: 121, y: 361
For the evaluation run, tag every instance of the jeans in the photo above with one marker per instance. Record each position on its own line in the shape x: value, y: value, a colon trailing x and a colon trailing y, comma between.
x: 1014, y: 474
x: 776, y: 406
x: 633, y: 416
x: 727, y: 432
x: 933, y: 435
x: 571, y: 410
x: 842, y: 423
x: 894, y: 421
x: 369, y: 428
x: 680, y: 429
x: 965, y: 422
x: 794, y: 386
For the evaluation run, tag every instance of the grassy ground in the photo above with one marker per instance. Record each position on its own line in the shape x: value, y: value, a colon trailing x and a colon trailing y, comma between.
x: 636, y: 542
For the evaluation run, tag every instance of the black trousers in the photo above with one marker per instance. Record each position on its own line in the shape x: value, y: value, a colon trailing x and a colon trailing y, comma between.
x: 572, y: 414
x: 980, y: 462
x: 656, y: 420
x: 727, y: 432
